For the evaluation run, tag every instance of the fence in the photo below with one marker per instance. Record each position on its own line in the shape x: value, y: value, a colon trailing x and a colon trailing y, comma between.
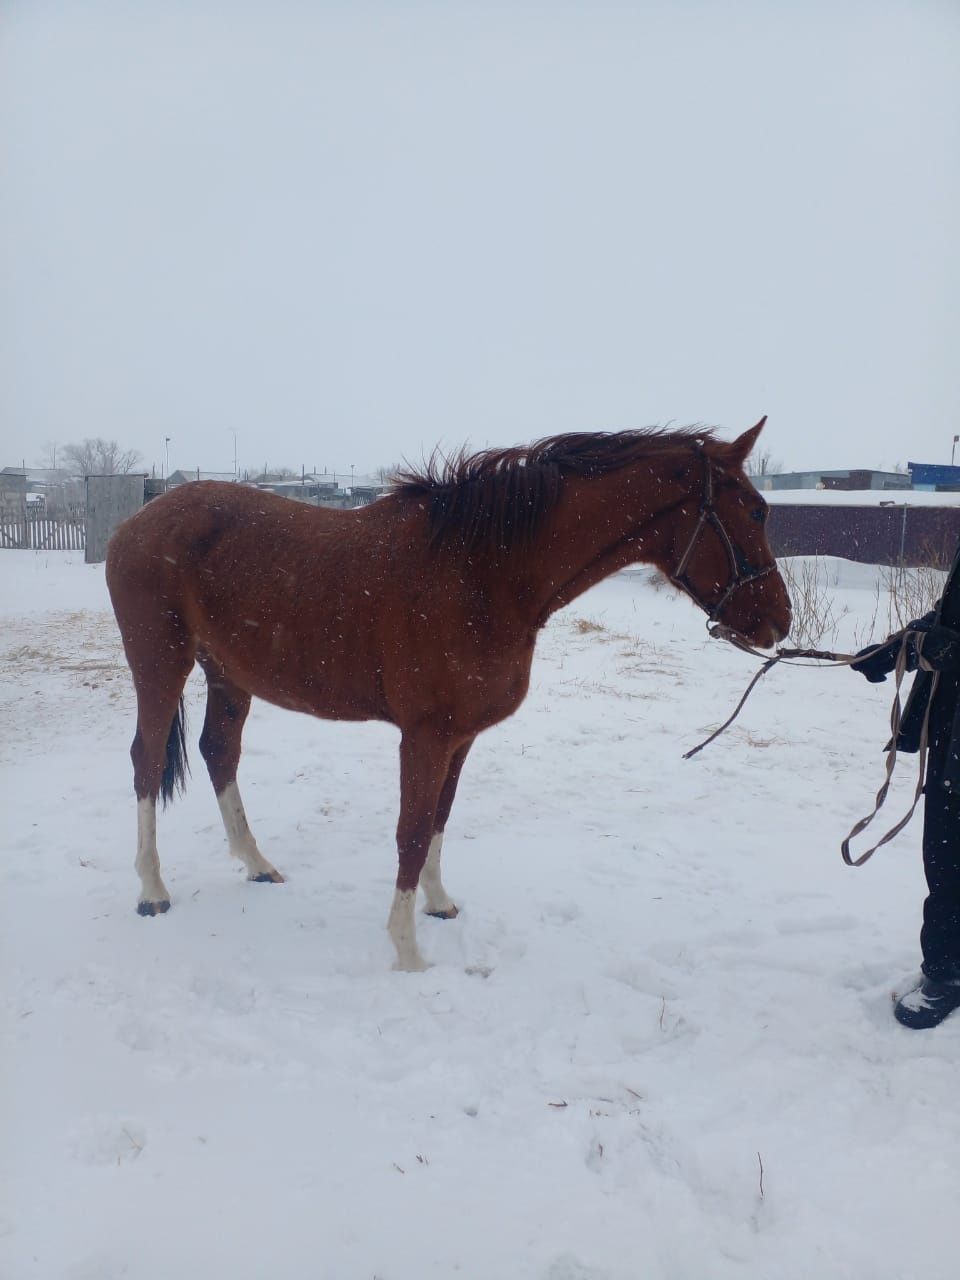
x: 894, y: 535
x: 110, y: 500
x: 891, y: 535
x: 33, y: 530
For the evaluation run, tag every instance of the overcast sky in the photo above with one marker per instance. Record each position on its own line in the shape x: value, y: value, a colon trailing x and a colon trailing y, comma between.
x: 347, y: 232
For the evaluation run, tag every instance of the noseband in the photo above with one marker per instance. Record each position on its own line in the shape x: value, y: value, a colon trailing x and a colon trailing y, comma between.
x: 741, y: 571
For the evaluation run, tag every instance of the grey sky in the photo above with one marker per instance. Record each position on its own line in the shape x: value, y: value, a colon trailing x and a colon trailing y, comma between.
x: 350, y: 231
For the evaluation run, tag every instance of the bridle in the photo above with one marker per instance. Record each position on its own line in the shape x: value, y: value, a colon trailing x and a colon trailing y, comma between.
x: 742, y: 571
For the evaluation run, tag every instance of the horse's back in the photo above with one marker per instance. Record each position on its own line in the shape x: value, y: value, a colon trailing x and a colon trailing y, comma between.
x: 213, y: 528
x: 204, y: 512
x: 285, y: 597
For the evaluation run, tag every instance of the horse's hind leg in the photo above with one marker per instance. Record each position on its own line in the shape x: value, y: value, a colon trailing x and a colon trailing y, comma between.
x: 438, y: 901
x: 159, y: 760
x: 227, y: 708
x: 154, y: 895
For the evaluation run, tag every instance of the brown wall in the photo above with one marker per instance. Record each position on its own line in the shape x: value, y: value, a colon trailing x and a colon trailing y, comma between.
x: 872, y: 535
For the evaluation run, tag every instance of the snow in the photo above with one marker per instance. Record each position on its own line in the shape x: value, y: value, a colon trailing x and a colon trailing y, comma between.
x: 862, y: 497
x: 662, y: 979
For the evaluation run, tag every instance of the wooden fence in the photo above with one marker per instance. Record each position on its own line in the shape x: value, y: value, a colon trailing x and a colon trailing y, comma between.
x: 34, y: 530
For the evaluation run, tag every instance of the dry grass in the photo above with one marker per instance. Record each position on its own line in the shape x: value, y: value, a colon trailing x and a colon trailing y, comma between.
x: 816, y: 612
x: 754, y: 740
x: 83, y: 644
x: 910, y: 593
x: 900, y: 596
x: 597, y: 630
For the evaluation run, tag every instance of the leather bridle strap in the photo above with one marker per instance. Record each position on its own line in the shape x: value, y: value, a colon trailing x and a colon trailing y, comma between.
x: 708, y: 515
x: 896, y: 715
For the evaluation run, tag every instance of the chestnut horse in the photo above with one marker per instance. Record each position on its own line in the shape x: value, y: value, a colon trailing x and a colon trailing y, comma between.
x: 421, y: 609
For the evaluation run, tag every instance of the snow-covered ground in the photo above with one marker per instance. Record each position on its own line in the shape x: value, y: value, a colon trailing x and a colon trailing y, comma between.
x: 861, y: 497
x: 656, y: 1045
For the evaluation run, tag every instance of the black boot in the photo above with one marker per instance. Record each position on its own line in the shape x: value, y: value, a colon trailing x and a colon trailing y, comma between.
x: 927, y: 1004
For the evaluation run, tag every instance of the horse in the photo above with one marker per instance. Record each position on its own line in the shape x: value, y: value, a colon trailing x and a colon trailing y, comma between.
x: 421, y: 609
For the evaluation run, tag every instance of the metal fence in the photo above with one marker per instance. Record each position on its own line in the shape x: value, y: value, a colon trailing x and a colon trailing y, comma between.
x: 890, y: 535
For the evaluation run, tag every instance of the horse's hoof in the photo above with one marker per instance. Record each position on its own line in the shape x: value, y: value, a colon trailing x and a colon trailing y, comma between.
x: 153, y: 908
x: 450, y: 913
x: 267, y: 877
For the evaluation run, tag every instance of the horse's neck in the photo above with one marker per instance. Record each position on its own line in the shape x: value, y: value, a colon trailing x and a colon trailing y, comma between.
x: 600, y: 525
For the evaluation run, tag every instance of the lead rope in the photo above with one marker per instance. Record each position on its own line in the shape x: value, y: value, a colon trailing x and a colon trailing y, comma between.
x: 896, y: 713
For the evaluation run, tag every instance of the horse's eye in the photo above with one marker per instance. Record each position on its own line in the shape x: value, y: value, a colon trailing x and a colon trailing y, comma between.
x: 759, y: 514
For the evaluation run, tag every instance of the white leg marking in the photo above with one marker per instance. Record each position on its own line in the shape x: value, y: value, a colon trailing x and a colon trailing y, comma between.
x: 242, y: 843
x: 152, y: 888
x: 438, y: 901
x: 403, y: 930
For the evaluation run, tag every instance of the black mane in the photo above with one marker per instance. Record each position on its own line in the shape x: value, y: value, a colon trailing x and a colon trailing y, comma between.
x: 496, y: 500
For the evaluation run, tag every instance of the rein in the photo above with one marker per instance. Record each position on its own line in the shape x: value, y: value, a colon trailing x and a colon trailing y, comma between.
x: 790, y: 656
x: 742, y: 573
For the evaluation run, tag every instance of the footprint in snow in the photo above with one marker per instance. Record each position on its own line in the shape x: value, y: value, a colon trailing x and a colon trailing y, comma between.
x: 561, y: 912
x: 224, y: 995
x: 823, y: 924
x: 569, y: 1267
x: 107, y: 1140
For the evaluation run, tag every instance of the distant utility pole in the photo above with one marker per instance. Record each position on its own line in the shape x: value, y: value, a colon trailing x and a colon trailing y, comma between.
x: 954, y: 449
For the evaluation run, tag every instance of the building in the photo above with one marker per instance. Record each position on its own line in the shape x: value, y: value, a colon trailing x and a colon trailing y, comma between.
x: 849, y: 480
x: 317, y: 490
x: 931, y: 476
x: 13, y: 487
x: 314, y: 489
x: 325, y: 490
x: 185, y: 477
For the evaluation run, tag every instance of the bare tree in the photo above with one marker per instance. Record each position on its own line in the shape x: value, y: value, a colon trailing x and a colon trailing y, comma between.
x: 763, y: 463
x: 99, y: 457
x: 51, y: 456
x: 62, y: 487
x: 385, y: 474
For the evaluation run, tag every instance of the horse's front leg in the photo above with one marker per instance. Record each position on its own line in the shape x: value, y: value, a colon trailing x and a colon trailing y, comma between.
x: 438, y: 901
x: 425, y: 758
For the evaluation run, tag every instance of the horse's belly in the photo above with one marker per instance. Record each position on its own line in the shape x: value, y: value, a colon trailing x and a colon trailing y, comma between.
x: 323, y: 703
x: 333, y: 691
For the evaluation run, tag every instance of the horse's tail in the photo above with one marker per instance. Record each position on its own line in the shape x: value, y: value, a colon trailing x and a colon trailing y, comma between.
x: 177, y: 765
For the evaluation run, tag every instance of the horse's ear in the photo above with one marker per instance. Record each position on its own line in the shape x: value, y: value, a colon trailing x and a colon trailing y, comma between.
x: 741, y: 448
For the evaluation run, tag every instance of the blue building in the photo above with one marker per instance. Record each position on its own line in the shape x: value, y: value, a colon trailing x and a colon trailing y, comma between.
x: 932, y: 475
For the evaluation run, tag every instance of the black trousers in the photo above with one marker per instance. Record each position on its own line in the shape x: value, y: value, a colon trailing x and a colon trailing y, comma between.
x: 940, y: 935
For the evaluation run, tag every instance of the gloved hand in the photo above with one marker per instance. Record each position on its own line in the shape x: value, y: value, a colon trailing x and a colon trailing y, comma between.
x: 940, y: 649
x: 878, y: 660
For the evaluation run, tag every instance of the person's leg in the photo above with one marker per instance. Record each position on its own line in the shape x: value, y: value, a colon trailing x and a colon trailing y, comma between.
x: 940, y: 935
x: 939, y: 993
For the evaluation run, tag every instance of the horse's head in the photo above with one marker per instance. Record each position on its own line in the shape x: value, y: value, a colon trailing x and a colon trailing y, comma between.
x: 719, y: 554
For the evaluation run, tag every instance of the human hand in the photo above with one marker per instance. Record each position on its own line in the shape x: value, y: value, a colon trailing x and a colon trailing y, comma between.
x: 878, y: 660
x: 940, y: 649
